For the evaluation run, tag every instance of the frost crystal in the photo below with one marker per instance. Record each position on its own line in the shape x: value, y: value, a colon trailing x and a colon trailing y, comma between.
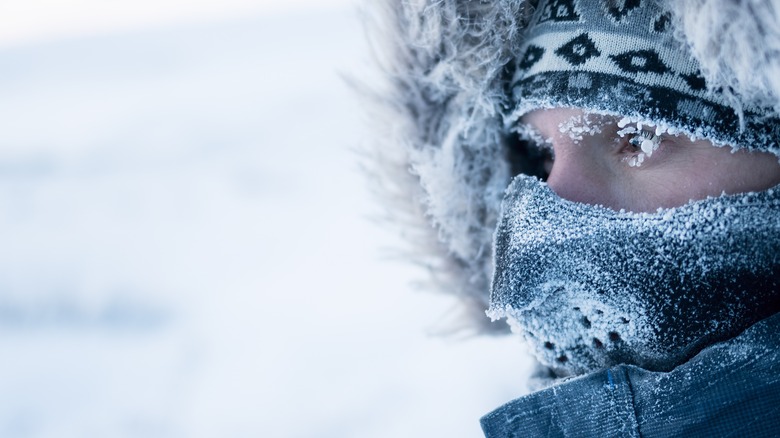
x: 578, y: 126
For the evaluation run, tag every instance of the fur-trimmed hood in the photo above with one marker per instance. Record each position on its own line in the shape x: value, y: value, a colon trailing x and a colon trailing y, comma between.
x: 441, y: 156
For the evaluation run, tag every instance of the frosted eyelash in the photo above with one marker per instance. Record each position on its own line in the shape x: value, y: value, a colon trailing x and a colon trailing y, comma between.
x: 647, y: 141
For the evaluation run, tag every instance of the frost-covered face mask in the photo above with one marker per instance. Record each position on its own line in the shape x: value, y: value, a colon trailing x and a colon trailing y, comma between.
x: 591, y: 287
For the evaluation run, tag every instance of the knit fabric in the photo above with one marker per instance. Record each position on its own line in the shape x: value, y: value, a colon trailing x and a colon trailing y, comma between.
x: 621, y: 58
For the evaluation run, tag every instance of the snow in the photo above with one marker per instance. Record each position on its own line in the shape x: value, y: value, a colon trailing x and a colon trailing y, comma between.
x: 187, y: 249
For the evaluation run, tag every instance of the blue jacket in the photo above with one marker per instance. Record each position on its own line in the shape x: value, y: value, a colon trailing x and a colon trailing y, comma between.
x: 730, y: 389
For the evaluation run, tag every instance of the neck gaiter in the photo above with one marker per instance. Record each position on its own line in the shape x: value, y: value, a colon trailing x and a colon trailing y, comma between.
x: 591, y: 287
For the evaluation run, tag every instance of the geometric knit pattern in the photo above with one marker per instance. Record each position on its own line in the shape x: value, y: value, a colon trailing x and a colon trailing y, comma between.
x: 619, y: 57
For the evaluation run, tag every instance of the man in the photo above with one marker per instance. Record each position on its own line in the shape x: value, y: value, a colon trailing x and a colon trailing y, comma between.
x: 637, y: 246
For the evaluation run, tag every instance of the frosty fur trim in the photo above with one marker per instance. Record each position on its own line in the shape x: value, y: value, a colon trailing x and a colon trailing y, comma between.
x: 439, y: 154
x: 440, y: 159
x: 737, y: 44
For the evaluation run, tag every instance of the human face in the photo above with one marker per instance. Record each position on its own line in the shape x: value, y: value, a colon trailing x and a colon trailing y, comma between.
x: 599, y: 166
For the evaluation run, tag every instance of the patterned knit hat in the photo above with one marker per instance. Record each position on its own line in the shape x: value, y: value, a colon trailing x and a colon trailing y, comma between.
x: 620, y: 57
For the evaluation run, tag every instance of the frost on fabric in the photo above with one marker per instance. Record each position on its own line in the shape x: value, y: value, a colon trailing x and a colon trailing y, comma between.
x: 591, y: 287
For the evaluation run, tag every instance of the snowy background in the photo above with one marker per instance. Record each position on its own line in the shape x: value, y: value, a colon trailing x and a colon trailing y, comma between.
x: 185, y: 242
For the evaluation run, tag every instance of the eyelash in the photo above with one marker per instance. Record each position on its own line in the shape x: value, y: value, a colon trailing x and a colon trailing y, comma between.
x: 636, y: 140
x: 640, y: 146
x: 630, y: 152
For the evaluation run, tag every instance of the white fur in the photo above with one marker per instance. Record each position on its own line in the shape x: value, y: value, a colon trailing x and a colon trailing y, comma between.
x: 737, y: 43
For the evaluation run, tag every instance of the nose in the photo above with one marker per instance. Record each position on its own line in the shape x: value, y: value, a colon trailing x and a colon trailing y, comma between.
x: 580, y: 176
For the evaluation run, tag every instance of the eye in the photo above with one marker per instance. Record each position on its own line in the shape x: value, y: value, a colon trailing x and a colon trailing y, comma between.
x: 645, y: 141
x: 640, y: 144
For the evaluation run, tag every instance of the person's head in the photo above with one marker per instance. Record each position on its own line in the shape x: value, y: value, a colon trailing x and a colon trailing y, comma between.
x: 644, y: 243
x: 586, y: 65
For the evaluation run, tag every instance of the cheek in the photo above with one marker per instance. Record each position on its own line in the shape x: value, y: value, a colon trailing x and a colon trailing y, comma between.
x: 752, y: 172
x: 653, y: 190
x: 733, y: 173
x: 708, y: 175
x: 678, y: 189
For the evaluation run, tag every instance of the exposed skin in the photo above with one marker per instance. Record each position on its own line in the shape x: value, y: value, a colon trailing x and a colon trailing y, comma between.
x: 595, y: 169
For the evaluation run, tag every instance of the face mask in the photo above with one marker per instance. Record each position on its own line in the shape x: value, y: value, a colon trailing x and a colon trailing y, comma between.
x: 591, y: 287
